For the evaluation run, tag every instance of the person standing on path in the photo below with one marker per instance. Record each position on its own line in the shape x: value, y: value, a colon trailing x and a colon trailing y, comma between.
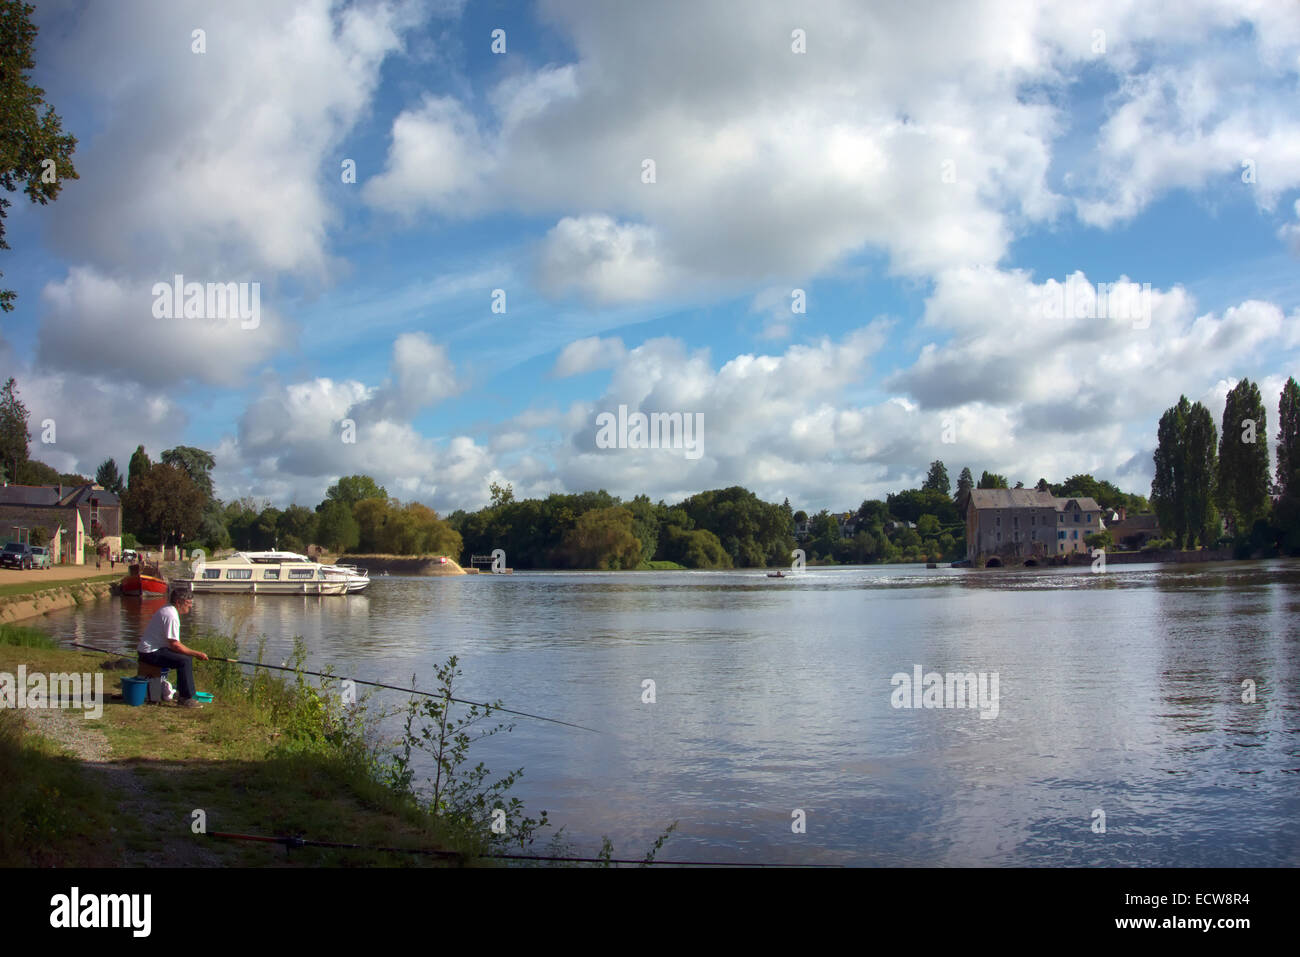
x: 160, y: 645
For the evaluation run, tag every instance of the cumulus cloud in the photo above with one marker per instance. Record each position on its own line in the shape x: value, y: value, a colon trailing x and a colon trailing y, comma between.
x: 588, y: 354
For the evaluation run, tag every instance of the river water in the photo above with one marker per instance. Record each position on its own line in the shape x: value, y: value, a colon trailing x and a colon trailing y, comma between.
x: 1119, y: 693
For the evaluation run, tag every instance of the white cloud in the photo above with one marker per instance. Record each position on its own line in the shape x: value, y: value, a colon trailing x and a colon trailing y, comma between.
x: 586, y: 355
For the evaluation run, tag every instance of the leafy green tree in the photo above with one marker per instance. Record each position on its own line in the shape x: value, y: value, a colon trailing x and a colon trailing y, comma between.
x: 1169, y: 482
x: 992, y: 480
x: 197, y: 463
x: 1202, y: 464
x: 168, y: 502
x: 14, y: 437
x: 694, y: 548
x: 108, y: 476
x: 336, y: 528
x: 937, y: 479
x: 138, y: 465
x: 927, y: 526
x: 296, y: 527
x: 352, y: 489
x: 266, y: 531
x: 501, y: 496
x: 965, y: 482
x: 603, y: 539
x: 1288, y: 440
x: 1243, y: 479
x: 35, y: 153
x: 33, y: 472
x: 1182, y: 489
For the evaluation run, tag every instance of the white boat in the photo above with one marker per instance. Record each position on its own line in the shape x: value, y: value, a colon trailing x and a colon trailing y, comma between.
x: 241, y: 575
x: 356, y: 578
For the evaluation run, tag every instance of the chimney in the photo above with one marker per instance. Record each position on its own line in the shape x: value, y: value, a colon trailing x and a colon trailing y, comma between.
x: 1121, y: 511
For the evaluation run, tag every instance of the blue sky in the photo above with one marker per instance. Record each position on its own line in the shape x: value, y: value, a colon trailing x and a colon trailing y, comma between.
x: 923, y: 173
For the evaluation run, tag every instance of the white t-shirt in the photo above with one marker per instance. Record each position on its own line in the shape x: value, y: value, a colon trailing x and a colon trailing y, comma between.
x: 164, y: 627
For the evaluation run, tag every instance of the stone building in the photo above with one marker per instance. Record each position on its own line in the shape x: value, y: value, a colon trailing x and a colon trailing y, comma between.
x: 68, y: 514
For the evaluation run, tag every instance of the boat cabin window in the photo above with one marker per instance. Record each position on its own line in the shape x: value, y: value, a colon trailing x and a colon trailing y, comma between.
x: 301, y: 573
x: 242, y: 573
x: 212, y: 573
x: 271, y: 573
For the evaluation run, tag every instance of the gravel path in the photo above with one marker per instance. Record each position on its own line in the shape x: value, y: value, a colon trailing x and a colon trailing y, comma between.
x: 170, y: 840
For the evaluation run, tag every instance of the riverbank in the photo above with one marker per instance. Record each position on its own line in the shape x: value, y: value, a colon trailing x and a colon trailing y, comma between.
x: 428, y: 566
x: 26, y: 594
x: 268, y: 757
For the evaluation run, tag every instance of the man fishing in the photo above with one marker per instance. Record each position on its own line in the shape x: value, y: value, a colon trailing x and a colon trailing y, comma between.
x: 160, y: 645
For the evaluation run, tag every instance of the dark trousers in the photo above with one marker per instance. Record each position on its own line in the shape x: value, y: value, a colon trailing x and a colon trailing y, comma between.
x: 168, y: 660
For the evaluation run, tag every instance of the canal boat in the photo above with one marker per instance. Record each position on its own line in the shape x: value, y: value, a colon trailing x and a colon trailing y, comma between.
x: 357, y: 578
x: 143, y: 580
x: 239, y: 574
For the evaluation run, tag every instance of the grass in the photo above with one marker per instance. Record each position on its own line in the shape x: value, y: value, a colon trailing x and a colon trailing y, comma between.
x: 270, y: 757
x: 21, y: 637
x: 40, y: 585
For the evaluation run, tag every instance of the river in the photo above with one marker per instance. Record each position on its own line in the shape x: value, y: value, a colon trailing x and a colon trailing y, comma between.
x: 775, y: 704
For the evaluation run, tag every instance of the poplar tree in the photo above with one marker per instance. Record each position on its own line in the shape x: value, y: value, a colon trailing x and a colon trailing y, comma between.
x: 14, y: 445
x: 1288, y: 439
x: 1243, y: 480
x: 1168, y: 484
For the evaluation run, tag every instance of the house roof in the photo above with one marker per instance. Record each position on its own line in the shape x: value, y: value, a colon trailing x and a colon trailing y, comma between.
x: 29, y: 495
x: 1135, y: 523
x: 48, y: 495
x: 1011, y: 498
x: 1085, y: 504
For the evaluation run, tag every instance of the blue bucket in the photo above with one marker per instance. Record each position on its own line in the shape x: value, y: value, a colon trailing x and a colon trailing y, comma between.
x: 134, y: 690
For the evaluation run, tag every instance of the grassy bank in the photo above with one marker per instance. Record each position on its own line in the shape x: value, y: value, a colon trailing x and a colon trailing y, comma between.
x: 38, y: 585
x: 269, y: 757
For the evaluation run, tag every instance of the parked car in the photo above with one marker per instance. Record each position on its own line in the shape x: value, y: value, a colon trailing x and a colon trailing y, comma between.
x: 40, y: 557
x: 16, y: 555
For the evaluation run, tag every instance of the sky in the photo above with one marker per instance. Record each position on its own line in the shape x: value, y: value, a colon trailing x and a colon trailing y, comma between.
x: 848, y: 238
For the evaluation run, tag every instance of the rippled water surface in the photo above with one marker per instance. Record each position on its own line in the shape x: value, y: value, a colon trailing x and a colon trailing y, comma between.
x: 1120, y: 692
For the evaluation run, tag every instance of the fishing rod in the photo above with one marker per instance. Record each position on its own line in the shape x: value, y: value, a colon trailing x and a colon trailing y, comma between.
x: 361, y: 681
x: 298, y: 842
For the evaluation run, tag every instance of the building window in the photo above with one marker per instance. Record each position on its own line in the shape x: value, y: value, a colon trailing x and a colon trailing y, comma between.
x: 1076, y: 533
x: 1060, y: 534
x: 1076, y: 516
x: 1090, y: 518
x: 999, y: 521
x: 1016, y: 521
x: 999, y: 536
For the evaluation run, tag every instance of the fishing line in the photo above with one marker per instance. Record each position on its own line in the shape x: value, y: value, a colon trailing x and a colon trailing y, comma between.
x: 362, y: 681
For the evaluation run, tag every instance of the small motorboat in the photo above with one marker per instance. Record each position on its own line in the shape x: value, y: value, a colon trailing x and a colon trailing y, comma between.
x: 776, y: 574
x: 142, y: 580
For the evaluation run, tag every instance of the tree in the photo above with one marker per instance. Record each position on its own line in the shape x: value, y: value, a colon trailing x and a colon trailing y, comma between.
x: 1202, y: 461
x: 965, y: 482
x: 604, y: 539
x: 501, y: 496
x: 138, y: 465
x: 167, y: 502
x: 296, y: 527
x: 108, y: 476
x: 1042, y: 485
x: 352, y: 489
x: 33, y: 472
x: 336, y: 529
x: 1243, y: 479
x: 992, y: 480
x: 1168, y: 484
x: 13, y: 430
x: 937, y: 479
x: 1182, y: 489
x: 34, y: 151
x: 1288, y: 439
x: 197, y: 463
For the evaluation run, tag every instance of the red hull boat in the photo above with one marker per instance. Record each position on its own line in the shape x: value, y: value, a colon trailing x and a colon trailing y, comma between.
x: 139, y: 583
